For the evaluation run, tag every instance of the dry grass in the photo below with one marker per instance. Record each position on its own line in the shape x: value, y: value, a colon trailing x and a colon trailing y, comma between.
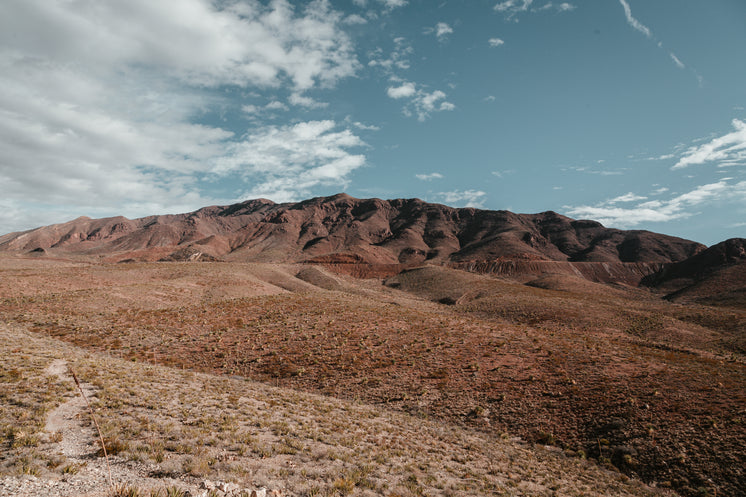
x: 199, y: 426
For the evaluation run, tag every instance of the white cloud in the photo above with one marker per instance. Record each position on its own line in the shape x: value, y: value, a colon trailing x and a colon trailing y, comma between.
x: 98, y: 106
x: 679, y: 207
x: 406, y: 90
x: 428, y: 177
x: 562, y: 7
x: 388, y: 5
x: 364, y: 127
x: 191, y: 40
x: 495, y: 42
x: 421, y: 103
x: 276, y: 105
x: 489, y: 98
x: 427, y: 103
x: 287, y: 162
x: 600, y: 172
x: 512, y: 8
x: 393, y: 4
x: 628, y: 197
x: 661, y: 157
x: 442, y: 29
x: 728, y: 149
x: 301, y: 100
x: 355, y: 19
x: 255, y: 110
x: 398, y: 59
x: 676, y: 61
x: 637, y: 25
x: 463, y: 198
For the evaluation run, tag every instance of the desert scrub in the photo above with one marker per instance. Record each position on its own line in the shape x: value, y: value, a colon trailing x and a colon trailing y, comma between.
x: 27, y: 395
x: 310, y: 444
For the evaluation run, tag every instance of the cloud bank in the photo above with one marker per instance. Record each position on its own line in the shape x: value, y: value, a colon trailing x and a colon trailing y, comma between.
x: 104, y: 108
x: 655, y: 211
x: 286, y: 162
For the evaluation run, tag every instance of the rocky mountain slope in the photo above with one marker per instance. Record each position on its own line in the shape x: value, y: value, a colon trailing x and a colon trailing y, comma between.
x: 345, y: 229
x: 716, y: 275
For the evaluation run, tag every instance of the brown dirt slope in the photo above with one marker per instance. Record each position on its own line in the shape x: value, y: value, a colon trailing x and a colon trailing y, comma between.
x: 401, y: 231
x: 714, y: 276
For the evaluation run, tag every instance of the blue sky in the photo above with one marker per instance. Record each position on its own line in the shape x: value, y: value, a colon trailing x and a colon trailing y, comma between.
x: 629, y: 112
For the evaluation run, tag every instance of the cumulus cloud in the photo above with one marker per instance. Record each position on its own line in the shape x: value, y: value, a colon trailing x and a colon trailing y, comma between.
x: 495, y: 42
x: 192, y: 40
x: 428, y: 177
x: 420, y: 102
x: 727, y: 150
x: 300, y: 100
x: 679, y: 207
x: 102, y: 111
x: 274, y: 105
x: 287, y: 162
x: 441, y: 30
x: 405, y: 90
x: 463, y: 198
x: 397, y: 59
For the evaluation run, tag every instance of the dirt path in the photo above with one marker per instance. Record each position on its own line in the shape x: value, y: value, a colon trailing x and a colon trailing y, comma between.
x: 79, y: 444
x: 71, y: 419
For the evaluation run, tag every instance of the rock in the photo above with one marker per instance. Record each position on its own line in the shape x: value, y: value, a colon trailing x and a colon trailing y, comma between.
x: 227, y: 487
x: 208, y: 485
x: 260, y: 492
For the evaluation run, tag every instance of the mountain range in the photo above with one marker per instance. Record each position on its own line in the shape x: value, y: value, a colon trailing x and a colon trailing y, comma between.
x: 372, y: 230
x: 350, y: 233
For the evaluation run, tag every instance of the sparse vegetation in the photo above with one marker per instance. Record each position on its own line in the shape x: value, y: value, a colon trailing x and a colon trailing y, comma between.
x: 558, y: 368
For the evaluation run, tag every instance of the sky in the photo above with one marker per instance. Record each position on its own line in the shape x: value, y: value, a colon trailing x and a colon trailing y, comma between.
x: 628, y: 112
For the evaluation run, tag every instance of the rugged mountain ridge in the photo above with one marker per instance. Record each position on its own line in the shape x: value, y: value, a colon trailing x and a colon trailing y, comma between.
x: 343, y: 229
